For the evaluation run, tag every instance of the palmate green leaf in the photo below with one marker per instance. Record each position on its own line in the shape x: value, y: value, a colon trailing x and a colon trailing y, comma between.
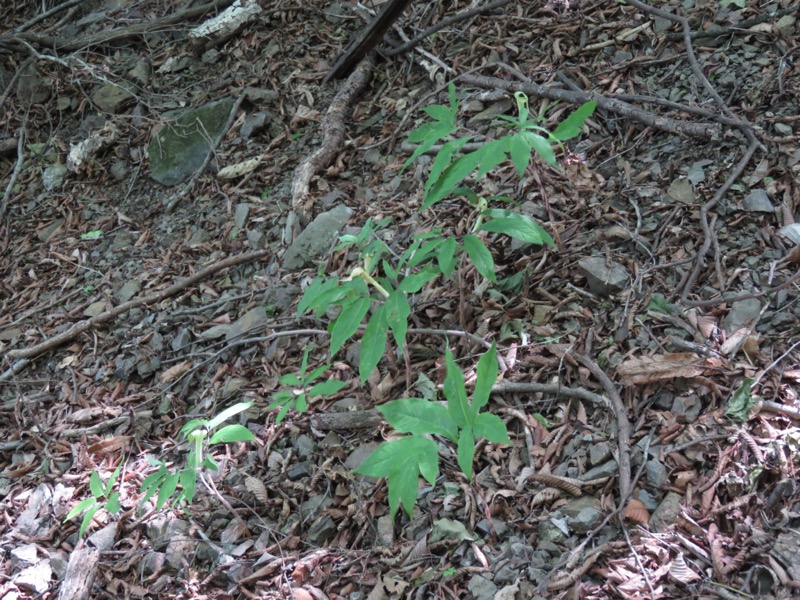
x: 427, y: 136
x: 300, y: 403
x: 188, y: 479
x: 446, y: 256
x: 80, y: 507
x: 232, y: 433
x: 87, y: 519
x: 316, y: 373
x: 113, y: 505
x: 326, y: 388
x: 571, y: 126
x: 491, y: 427
x: 346, y: 324
x: 168, y: 488
x: 228, y: 413
x: 414, y: 282
x: 480, y: 256
x: 113, y: 479
x: 425, y: 252
x: 373, y: 344
x: 441, y: 113
x: 466, y: 451
x: 191, y: 426
x: 402, y: 462
x: 318, y: 287
x: 443, y: 161
x: 492, y: 154
x: 451, y: 176
x: 397, y: 312
x: 541, y: 145
x: 282, y: 412
x: 419, y: 416
x: 96, y: 485
x: 515, y: 225
x: 520, y: 152
x: 486, y: 376
x: 456, y: 392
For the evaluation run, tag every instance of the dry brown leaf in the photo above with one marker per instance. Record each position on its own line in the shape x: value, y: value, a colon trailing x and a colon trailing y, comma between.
x: 636, y: 512
x: 256, y: 487
x: 651, y: 369
x: 112, y: 444
x: 566, y: 484
x: 176, y: 371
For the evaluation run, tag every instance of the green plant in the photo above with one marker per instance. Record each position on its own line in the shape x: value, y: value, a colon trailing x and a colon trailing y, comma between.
x: 384, y: 280
x: 447, y: 172
x: 297, y: 397
x: 102, y: 497
x: 165, y: 481
x: 461, y: 422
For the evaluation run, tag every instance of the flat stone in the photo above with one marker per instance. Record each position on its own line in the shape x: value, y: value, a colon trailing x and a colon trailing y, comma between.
x: 758, y: 201
x: 112, y: 98
x: 249, y: 321
x: 178, y: 149
x: 316, y: 239
x: 604, y: 280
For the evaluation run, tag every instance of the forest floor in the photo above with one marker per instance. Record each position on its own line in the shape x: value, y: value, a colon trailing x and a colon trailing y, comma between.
x: 649, y: 360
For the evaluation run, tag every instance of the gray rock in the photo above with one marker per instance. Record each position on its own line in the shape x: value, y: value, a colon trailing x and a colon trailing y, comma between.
x: 181, y: 340
x: 481, y: 588
x: 681, y: 190
x: 112, y: 98
x: 128, y: 290
x: 599, y: 453
x: 304, y: 446
x: 240, y: 214
x: 317, y: 238
x: 552, y: 531
x: 300, y: 470
x: 385, y: 531
x: 47, y: 232
x: 582, y: 514
x: 119, y: 170
x: 758, y: 201
x: 253, y: 124
x: 604, y: 280
x: 665, y: 516
x: 53, y: 176
x: 321, y: 531
x: 607, y: 469
x: 249, y: 321
x: 261, y: 95
x: 141, y: 72
x: 278, y: 298
x: 744, y: 313
x: 656, y: 473
x: 359, y: 455
x: 32, y: 88
x: 178, y: 149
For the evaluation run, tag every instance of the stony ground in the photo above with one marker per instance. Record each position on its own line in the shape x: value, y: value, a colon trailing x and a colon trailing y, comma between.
x: 650, y: 363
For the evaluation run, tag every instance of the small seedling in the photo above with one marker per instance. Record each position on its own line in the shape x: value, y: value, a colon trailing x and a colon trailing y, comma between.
x: 102, y: 497
x: 165, y: 481
x: 297, y: 396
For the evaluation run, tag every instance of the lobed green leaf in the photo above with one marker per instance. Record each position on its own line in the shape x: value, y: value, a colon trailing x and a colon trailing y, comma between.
x: 419, y: 416
x: 232, y: 433
x: 571, y: 126
x: 491, y: 427
x: 456, y: 392
x: 480, y: 256
x: 466, y: 451
x: 486, y: 377
x: 373, y: 344
x: 326, y: 388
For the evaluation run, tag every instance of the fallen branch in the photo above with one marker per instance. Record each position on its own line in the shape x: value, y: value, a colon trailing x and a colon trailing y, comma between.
x: 333, y: 129
x: 69, y: 44
x: 706, y: 130
x: 87, y: 324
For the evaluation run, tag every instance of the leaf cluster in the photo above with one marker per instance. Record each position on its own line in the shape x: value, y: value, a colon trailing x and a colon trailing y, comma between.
x: 460, y: 422
x: 301, y: 388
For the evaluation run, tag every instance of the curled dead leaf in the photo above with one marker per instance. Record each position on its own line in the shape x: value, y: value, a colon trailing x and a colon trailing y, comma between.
x: 636, y: 512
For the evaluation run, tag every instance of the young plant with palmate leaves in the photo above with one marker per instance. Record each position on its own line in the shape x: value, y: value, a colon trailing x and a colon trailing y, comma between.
x: 379, y: 288
x: 459, y: 422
